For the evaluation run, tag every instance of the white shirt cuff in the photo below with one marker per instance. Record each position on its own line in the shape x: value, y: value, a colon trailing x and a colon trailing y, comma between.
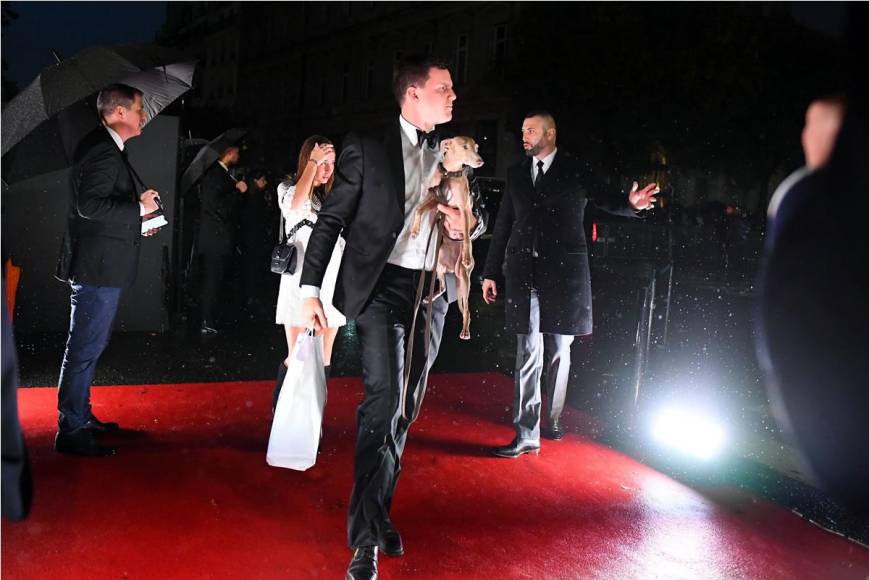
x: 309, y: 291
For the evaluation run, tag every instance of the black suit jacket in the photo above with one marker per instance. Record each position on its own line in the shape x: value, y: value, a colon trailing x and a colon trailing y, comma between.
x: 552, y: 218
x: 218, y: 212
x: 101, y: 246
x: 367, y: 203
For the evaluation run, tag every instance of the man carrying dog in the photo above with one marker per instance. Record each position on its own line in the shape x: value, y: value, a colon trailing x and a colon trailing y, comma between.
x: 379, y: 181
x: 540, y: 229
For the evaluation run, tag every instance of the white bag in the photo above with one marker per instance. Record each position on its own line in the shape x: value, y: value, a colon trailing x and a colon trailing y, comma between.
x: 298, y: 416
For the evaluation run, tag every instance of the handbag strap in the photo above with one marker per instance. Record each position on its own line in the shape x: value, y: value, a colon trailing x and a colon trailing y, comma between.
x: 299, y: 226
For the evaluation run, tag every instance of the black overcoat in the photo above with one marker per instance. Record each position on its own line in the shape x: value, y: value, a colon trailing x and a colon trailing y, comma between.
x: 550, y: 219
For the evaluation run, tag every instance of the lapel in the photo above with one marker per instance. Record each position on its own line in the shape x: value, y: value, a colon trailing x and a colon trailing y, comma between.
x: 526, y: 183
x: 125, y: 161
x: 392, y: 144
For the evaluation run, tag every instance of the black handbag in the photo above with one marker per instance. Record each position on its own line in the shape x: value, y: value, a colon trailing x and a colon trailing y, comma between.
x: 284, y: 254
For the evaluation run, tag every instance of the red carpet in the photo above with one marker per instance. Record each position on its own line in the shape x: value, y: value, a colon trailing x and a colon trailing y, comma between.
x: 190, y: 496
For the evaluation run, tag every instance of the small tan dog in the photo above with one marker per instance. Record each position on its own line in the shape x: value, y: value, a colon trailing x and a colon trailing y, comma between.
x: 450, y: 187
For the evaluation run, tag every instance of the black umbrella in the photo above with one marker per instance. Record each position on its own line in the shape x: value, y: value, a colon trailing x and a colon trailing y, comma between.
x: 208, y: 156
x: 42, y: 125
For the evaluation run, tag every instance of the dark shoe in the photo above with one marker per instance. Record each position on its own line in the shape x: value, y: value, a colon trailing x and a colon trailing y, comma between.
x: 363, y: 566
x: 554, y: 432
x: 390, y: 540
x: 282, y: 374
x: 98, y: 427
x: 208, y: 328
x: 517, y: 448
x: 80, y: 442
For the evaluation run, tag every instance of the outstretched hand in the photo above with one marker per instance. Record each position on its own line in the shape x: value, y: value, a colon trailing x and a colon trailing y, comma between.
x: 643, y: 198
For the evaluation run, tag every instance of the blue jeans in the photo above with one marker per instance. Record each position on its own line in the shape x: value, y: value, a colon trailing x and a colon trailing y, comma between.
x: 92, y: 313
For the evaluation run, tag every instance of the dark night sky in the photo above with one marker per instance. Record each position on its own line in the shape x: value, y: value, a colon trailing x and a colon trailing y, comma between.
x: 71, y: 26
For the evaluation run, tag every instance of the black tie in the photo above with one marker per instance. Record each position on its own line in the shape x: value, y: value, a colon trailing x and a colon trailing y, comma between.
x: 539, y: 177
x: 423, y: 137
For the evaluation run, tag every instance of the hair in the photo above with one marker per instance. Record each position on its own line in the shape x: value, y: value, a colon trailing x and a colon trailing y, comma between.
x: 413, y: 71
x: 320, y: 192
x: 547, y: 117
x: 114, y: 96
x: 257, y: 172
x: 227, y: 149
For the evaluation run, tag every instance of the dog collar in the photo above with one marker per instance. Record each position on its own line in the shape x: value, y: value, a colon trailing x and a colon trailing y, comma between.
x: 445, y: 173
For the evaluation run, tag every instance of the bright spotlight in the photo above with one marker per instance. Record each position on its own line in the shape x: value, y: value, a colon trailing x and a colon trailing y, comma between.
x: 690, y: 432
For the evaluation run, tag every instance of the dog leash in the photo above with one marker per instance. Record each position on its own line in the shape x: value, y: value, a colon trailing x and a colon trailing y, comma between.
x: 408, y: 357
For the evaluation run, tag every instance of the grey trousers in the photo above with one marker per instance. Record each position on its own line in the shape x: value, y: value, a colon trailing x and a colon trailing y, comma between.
x: 534, y: 352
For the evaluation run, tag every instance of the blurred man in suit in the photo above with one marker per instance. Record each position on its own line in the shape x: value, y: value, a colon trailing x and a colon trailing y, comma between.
x: 218, y: 224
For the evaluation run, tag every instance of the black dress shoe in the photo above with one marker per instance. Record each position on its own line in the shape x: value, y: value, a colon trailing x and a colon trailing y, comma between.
x: 208, y: 328
x: 390, y: 540
x: 80, y: 442
x: 98, y: 427
x: 517, y: 448
x: 554, y: 432
x: 363, y: 566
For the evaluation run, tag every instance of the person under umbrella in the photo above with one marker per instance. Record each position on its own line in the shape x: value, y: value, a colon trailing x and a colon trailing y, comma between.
x: 44, y: 123
x: 99, y: 258
x: 218, y: 222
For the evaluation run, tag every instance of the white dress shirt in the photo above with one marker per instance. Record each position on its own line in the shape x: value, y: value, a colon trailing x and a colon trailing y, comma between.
x: 547, y: 163
x: 419, y: 167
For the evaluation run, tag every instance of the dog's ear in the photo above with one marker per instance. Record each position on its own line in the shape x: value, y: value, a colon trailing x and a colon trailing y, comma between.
x: 445, y: 145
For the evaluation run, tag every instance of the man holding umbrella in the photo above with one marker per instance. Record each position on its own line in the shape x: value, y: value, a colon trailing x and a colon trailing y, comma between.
x: 218, y: 222
x: 101, y: 258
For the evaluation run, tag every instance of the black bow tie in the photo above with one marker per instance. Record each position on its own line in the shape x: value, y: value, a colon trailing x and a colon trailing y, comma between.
x: 431, y: 138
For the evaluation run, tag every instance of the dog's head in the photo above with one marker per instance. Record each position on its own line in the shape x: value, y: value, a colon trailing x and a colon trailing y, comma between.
x: 460, y: 151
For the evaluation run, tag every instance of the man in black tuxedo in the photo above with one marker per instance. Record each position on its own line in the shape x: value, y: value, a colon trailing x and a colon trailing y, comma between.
x: 380, y: 180
x: 99, y: 258
x: 548, y: 284
x: 218, y: 223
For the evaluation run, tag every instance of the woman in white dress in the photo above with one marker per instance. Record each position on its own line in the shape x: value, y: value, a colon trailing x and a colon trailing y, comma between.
x: 300, y: 202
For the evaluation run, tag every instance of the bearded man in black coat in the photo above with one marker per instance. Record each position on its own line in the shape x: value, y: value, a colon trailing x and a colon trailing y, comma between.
x: 540, y: 232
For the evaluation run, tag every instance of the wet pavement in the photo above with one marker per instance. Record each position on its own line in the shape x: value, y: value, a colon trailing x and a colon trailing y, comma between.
x: 705, y: 351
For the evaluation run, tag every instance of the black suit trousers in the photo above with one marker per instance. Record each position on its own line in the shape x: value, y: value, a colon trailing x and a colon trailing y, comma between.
x: 383, y: 326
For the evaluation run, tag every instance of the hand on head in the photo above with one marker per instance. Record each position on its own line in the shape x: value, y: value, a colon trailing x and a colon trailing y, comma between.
x: 322, y: 153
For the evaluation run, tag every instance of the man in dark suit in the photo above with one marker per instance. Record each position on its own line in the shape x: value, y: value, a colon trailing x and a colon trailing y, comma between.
x: 812, y: 308
x: 99, y: 259
x: 218, y: 223
x: 380, y: 180
x: 540, y: 229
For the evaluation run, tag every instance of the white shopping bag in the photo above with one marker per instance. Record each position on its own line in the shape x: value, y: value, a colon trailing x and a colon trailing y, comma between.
x: 295, y: 432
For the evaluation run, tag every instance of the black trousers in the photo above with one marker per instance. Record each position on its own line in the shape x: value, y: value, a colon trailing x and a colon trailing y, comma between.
x: 383, y: 328
x: 212, y: 271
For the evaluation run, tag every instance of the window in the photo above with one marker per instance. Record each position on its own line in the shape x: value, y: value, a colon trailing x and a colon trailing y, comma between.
x: 462, y: 59
x: 369, y: 80
x: 345, y: 82
x: 499, y: 46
